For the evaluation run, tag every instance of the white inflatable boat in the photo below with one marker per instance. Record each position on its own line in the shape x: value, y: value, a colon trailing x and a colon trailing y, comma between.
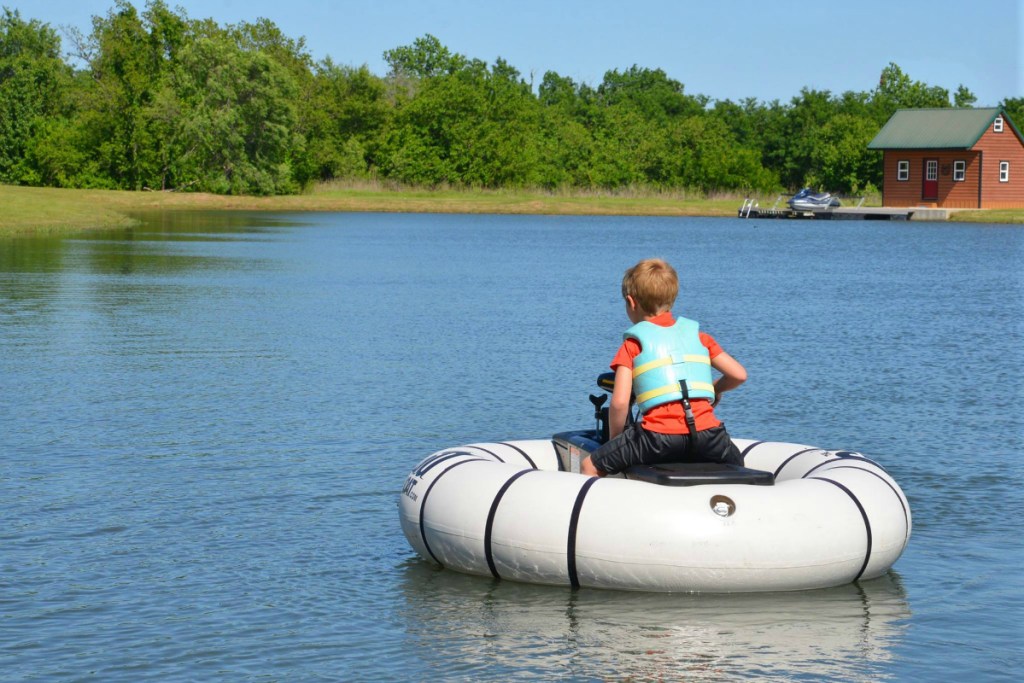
x: 804, y: 518
x: 795, y: 517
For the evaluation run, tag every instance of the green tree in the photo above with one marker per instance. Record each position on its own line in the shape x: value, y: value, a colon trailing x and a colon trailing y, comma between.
x: 265, y: 37
x: 759, y: 131
x: 125, y: 80
x: 569, y: 120
x: 33, y: 79
x: 565, y: 149
x: 963, y: 97
x: 788, y: 150
x: 237, y: 130
x: 347, y: 115
x: 710, y: 158
x: 61, y: 156
x: 124, y: 106
x: 425, y: 58
x: 741, y: 118
x: 629, y: 150
x: 168, y: 34
x: 476, y: 127
x: 896, y: 90
x: 840, y: 159
x: 1014, y: 108
x: 557, y: 91
x: 651, y: 92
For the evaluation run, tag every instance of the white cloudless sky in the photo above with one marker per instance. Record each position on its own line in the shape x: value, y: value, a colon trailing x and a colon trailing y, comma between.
x: 724, y: 49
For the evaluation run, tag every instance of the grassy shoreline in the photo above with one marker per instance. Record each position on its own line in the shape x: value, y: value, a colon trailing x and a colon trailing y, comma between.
x: 35, y: 210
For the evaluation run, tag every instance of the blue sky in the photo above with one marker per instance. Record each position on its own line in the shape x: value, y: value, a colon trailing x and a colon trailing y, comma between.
x: 725, y: 49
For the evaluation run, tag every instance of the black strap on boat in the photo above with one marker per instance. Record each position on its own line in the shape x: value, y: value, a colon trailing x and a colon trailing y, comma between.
x: 574, y: 521
x: 520, y: 451
x: 791, y: 458
x: 426, y: 494
x: 489, y: 527
x: 864, y: 516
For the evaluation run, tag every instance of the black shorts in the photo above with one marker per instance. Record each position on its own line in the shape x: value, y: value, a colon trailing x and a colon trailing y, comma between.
x: 638, y: 446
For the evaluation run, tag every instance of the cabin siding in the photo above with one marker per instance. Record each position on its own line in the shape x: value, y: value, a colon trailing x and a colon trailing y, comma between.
x: 952, y: 194
x: 997, y: 147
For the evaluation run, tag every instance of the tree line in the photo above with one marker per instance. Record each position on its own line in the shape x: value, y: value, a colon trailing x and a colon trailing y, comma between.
x: 153, y: 99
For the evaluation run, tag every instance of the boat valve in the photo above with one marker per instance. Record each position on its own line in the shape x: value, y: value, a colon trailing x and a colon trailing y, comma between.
x: 722, y: 506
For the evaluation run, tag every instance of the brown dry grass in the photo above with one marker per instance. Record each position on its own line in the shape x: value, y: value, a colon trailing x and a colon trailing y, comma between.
x: 35, y: 210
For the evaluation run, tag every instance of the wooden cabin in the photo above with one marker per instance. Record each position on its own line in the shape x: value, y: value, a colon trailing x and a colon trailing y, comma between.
x: 951, y: 158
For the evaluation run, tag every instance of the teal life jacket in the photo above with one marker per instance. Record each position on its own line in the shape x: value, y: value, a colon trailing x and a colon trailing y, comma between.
x: 668, y: 355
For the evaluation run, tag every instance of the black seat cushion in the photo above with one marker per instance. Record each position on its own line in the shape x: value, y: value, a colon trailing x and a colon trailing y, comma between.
x: 695, y: 473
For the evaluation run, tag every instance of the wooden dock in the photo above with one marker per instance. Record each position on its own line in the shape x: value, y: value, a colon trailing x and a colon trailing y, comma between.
x: 837, y: 214
x: 842, y: 213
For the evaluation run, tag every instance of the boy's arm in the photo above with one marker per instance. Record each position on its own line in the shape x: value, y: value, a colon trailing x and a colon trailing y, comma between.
x: 733, y: 374
x: 618, y: 409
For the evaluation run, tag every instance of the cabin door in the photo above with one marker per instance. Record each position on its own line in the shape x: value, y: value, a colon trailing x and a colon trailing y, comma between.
x: 930, y: 190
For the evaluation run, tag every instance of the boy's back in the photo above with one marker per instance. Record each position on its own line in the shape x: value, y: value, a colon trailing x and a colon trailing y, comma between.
x: 675, y: 427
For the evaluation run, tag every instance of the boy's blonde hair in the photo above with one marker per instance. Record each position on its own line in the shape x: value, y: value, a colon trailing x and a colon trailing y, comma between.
x: 653, y: 284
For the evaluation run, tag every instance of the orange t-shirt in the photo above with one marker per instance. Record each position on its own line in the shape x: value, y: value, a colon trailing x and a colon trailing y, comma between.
x: 669, y: 418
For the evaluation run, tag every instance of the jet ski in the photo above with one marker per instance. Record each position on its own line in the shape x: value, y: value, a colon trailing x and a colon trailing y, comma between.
x: 808, y: 200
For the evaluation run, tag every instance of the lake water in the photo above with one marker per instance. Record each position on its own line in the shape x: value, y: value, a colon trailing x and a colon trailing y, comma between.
x: 206, y: 421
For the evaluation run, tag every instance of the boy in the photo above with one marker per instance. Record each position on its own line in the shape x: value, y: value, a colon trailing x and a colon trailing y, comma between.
x: 656, y: 353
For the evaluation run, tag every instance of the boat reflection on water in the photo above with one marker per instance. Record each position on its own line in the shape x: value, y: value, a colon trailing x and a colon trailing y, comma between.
x: 473, y: 627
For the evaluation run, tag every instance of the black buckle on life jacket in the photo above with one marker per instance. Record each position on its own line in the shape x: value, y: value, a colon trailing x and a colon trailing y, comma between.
x: 687, y: 411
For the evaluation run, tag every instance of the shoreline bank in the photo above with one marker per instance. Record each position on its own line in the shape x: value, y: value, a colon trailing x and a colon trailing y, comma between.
x: 35, y: 210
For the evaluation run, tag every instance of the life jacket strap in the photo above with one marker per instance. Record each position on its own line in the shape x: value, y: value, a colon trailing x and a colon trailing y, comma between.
x: 691, y: 424
x: 669, y: 360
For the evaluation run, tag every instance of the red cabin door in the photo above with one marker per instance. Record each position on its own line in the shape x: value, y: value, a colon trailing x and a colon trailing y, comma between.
x: 930, y: 190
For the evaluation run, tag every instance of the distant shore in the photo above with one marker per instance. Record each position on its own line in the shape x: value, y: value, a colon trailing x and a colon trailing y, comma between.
x: 34, y: 210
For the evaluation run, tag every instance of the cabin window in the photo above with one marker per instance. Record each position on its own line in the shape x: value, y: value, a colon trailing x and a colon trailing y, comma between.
x: 997, y: 125
x: 959, y: 171
x: 1004, y: 171
x: 903, y: 170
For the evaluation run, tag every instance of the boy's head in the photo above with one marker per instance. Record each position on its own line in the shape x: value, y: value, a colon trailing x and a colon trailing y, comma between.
x: 653, y: 285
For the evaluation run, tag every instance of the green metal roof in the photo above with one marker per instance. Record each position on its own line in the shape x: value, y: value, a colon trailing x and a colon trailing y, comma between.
x: 935, y: 128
